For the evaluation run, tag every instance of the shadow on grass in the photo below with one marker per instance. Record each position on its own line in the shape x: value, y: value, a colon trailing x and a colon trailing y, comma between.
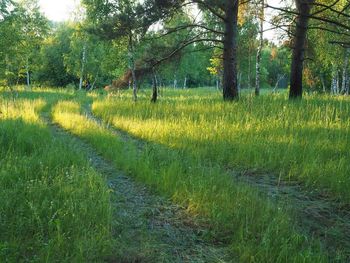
x: 317, y: 214
x: 48, y: 192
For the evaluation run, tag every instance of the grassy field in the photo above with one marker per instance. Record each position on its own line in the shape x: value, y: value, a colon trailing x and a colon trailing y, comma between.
x: 187, y: 147
x: 305, y: 140
x: 255, y: 228
x: 54, y: 207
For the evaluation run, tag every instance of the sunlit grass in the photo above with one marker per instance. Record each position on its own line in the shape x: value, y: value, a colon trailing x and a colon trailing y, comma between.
x: 256, y: 229
x: 306, y: 140
x: 54, y: 207
x: 57, y: 207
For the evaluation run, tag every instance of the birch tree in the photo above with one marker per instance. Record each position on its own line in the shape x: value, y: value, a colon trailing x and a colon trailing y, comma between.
x: 261, y: 16
x: 345, y: 75
x: 22, y: 32
x: 34, y: 27
x: 117, y: 20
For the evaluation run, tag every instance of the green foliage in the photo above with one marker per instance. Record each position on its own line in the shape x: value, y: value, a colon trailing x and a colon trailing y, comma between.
x: 23, y: 31
x: 4, y: 8
x: 52, y: 70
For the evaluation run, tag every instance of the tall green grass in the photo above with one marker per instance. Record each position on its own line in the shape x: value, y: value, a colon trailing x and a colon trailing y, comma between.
x: 306, y: 140
x: 54, y: 207
x: 256, y: 229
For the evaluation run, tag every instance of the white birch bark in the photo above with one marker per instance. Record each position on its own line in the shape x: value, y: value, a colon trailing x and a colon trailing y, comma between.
x: 261, y: 42
x: 323, y: 84
x: 279, y: 78
x: 132, y: 66
x: 83, y: 60
x: 345, y: 71
x: 175, y: 81
x: 335, y: 81
x: 27, y: 73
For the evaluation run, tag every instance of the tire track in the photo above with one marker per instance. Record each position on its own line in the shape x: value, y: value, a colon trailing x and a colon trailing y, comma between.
x: 317, y: 214
x: 147, y: 227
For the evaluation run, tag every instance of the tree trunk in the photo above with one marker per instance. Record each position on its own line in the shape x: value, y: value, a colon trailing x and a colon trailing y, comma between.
x: 296, y: 76
x: 323, y: 83
x: 94, y: 83
x: 160, y: 85
x: 27, y: 73
x: 345, y: 71
x: 134, y: 84
x: 239, y: 82
x: 83, y: 59
x: 7, y: 70
x: 230, y: 88
x: 185, y: 83
x: 279, y: 78
x: 335, y: 81
x: 258, y: 54
x: 175, y: 81
x: 132, y: 66
x: 155, y: 88
x: 249, y: 77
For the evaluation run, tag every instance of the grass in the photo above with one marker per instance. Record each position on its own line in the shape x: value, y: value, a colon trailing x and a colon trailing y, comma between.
x: 55, y: 207
x: 254, y: 228
x: 192, y: 142
x: 306, y: 140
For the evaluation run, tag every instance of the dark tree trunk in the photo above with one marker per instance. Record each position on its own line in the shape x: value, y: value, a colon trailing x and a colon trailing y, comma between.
x: 155, y: 89
x: 230, y: 88
x: 296, y: 76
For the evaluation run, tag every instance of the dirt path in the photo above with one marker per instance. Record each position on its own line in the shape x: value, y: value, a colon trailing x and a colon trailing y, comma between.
x: 317, y: 215
x: 148, y: 228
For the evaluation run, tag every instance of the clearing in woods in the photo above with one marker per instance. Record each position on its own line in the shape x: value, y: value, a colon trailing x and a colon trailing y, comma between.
x: 318, y: 215
x: 147, y: 227
x: 160, y: 182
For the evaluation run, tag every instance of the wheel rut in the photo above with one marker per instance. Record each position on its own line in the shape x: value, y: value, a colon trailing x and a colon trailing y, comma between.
x: 147, y: 227
x: 317, y: 214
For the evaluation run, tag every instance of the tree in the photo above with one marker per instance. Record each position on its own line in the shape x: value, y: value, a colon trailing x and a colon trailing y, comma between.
x: 28, y: 28
x: 296, y: 76
x: 120, y: 19
x: 53, y: 69
x: 331, y: 16
x: 230, y: 85
x: 4, y: 8
x: 10, y: 36
x: 22, y: 31
x: 261, y: 17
